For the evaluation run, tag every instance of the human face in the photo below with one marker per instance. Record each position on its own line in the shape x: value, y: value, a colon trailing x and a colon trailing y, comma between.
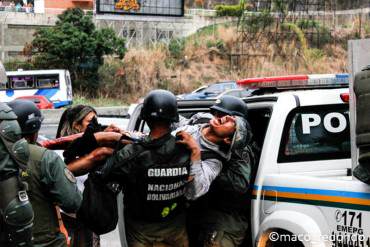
x: 223, y: 127
x: 218, y: 114
x: 82, y: 125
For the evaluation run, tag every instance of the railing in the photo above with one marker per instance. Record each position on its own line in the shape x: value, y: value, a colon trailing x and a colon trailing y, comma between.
x: 16, y: 9
x: 200, y: 12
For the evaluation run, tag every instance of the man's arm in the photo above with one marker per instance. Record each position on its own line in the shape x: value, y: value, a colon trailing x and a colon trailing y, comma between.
x: 202, y: 173
x: 60, y: 182
x: 84, y: 164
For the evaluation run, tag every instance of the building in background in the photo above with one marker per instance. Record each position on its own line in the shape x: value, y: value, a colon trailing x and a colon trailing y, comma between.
x: 58, y: 6
x: 43, y: 6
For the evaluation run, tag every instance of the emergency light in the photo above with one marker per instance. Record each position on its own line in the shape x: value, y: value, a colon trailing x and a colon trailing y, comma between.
x: 297, y: 81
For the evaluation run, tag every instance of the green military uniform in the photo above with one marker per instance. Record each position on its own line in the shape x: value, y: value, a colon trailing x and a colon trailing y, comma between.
x: 16, y: 214
x: 50, y: 184
x: 220, y: 218
x: 153, y: 174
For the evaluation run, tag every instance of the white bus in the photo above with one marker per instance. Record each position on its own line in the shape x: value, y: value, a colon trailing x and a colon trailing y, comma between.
x: 55, y: 85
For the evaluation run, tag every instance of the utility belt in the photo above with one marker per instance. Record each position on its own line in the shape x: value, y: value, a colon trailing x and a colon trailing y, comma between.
x: 16, y: 214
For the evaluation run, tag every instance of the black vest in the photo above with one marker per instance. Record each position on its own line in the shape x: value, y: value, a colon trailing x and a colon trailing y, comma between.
x: 155, y: 190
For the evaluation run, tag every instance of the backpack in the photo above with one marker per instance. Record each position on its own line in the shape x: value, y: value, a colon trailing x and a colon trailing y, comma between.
x: 16, y: 214
x: 99, y: 211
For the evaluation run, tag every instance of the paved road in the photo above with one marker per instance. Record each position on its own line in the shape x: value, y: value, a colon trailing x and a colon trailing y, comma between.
x: 108, y: 240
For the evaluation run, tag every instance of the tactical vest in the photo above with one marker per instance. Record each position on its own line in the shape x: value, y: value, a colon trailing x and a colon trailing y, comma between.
x: 16, y: 214
x: 155, y: 192
x: 46, y: 224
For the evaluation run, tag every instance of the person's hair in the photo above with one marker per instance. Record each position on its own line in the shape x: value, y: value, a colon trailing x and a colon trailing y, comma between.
x: 71, y: 115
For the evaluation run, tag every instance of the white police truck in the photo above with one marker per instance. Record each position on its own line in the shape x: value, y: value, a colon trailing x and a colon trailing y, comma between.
x: 302, y: 193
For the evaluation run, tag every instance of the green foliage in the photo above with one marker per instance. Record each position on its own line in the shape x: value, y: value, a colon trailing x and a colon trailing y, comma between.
x: 170, y: 63
x: 75, y: 44
x: 257, y: 22
x: 322, y: 35
x: 176, y: 47
x: 367, y: 30
x: 207, y: 30
x: 280, y: 6
x: 306, y: 24
x: 219, y: 44
x: 81, y: 99
x: 229, y: 10
x: 16, y: 64
x: 315, y: 54
x: 300, y: 35
x: 112, y: 73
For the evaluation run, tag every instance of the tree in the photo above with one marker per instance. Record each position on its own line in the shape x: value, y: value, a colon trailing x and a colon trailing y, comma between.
x: 75, y: 44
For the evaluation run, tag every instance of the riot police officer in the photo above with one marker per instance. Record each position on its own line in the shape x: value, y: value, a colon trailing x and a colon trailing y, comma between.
x: 16, y: 214
x: 50, y: 182
x: 154, y: 173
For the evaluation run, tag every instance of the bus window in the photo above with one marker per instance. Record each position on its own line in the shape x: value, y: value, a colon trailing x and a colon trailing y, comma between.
x: 21, y: 81
x: 47, y: 81
x: 50, y: 83
x: 4, y: 86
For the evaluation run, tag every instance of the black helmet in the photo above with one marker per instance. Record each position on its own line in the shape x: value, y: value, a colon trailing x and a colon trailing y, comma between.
x: 161, y: 105
x: 29, y: 116
x: 230, y: 105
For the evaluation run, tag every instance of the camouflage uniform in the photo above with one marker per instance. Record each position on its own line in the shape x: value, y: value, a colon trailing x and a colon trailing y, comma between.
x: 50, y: 183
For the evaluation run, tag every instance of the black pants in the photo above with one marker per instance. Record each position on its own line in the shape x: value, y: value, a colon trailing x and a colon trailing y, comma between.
x: 80, y: 235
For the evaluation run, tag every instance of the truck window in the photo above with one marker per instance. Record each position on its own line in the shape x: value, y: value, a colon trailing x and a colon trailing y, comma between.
x: 316, y: 133
x: 259, y: 119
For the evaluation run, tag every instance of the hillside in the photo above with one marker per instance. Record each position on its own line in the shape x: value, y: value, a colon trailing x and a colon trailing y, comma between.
x: 211, y: 55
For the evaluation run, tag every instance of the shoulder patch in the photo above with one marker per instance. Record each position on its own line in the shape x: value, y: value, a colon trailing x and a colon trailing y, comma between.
x: 69, y: 175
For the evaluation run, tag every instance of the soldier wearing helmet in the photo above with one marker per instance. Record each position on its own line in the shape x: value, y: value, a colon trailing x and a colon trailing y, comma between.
x: 16, y: 213
x: 50, y: 182
x: 229, y: 105
x: 219, y: 218
x: 154, y: 172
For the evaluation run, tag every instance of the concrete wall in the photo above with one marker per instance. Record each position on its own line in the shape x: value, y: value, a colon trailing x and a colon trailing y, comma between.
x: 17, y: 29
x: 140, y: 31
